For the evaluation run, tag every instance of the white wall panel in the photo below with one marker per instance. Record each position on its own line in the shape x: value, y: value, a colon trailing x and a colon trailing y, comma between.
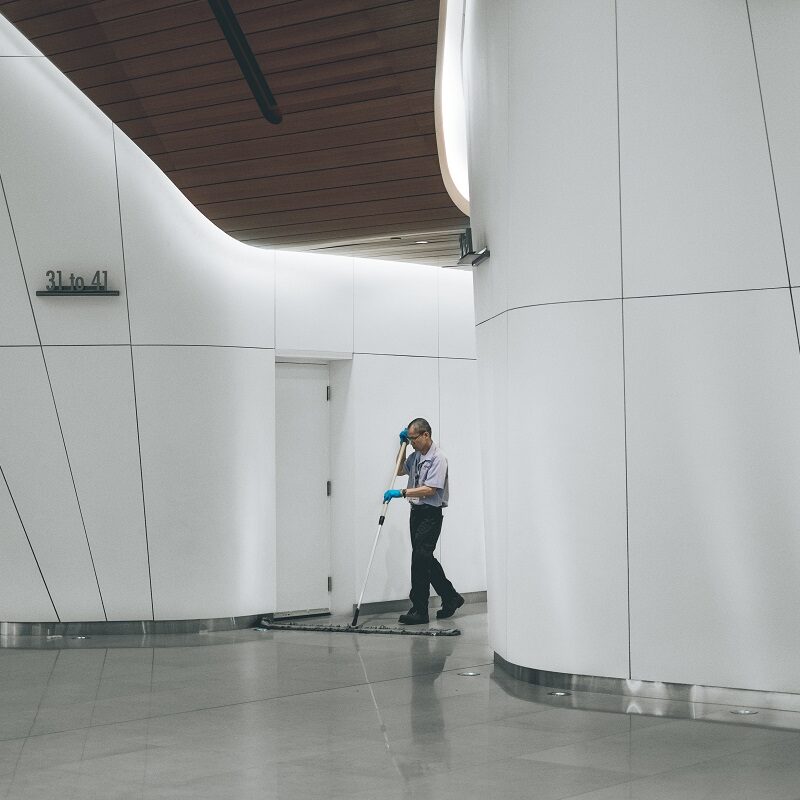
x: 23, y: 595
x: 387, y: 393
x: 13, y: 43
x: 776, y: 32
x: 567, y: 561
x: 395, y: 308
x: 313, y: 302
x: 492, y: 368
x: 57, y: 163
x: 93, y: 387
x: 698, y: 204
x: 206, y: 422
x: 462, y: 546
x: 16, y: 318
x: 486, y: 76
x: 456, y: 314
x: 36, y: 468
x: 189, y: 282
x: 713, y: 459
x: 564, y: 196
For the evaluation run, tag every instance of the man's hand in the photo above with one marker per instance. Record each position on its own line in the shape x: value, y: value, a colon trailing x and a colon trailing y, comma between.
x: 404, y: 436
x: 391, y: 493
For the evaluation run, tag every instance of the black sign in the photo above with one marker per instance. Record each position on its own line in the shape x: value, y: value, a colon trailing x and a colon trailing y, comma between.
x: 73, y: 285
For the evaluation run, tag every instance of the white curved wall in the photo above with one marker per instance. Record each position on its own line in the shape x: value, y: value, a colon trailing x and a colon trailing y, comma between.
x: 637, y: 335
x: 137, y: 433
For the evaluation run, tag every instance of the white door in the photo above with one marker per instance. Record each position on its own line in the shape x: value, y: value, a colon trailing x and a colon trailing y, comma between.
x: 302, y: 473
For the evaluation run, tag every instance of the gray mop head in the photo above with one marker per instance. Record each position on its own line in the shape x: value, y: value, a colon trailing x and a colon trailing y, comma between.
x: 294, y: 626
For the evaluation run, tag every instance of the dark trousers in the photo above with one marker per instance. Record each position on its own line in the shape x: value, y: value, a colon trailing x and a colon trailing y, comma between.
x: 426, y: 525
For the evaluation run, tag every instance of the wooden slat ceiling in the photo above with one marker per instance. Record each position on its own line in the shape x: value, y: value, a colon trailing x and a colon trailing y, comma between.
x: 353, y: 167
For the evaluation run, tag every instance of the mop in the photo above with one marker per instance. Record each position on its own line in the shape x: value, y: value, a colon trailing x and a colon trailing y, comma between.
x: 353, y: 627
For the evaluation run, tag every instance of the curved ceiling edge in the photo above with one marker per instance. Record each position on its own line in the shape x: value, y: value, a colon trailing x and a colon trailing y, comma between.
x: 449, y: 108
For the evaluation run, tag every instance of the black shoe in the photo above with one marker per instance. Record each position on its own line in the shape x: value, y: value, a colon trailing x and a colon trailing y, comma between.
x: 449, y: 607
x: 414, y: 617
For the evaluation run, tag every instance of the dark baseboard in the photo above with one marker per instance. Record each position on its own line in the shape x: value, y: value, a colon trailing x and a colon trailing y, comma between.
x: 390, y: 606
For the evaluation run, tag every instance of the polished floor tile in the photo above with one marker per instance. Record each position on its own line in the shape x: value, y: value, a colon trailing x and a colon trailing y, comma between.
x: 673, y: 745
x: 301, y: 716
x: 769, y: 773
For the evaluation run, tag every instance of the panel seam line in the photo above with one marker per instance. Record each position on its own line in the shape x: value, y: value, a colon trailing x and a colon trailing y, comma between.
x: 133, y: 371
x: 772, y: 170
x: 622, y: 331
x: 33, y: 552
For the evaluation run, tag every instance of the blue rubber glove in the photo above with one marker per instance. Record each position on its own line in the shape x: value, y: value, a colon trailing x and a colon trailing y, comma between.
x: 404, y: 435
x: 391, y: 493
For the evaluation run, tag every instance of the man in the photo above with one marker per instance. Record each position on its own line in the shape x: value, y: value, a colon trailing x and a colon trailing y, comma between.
x: 427, y: 492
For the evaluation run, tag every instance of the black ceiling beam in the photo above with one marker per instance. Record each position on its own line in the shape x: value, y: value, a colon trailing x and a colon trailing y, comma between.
x: 246, y: 59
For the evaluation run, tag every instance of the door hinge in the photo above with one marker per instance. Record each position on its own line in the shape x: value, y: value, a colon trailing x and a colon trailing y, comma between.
x: 327, y: 392
x: 330, y: 583
x: 328, y: 488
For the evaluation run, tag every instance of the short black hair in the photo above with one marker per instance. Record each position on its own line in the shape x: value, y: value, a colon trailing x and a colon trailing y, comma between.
x: 421, y: 425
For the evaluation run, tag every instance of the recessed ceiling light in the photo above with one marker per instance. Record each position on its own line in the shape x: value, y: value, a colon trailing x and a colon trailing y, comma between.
x: 469, y: 674
x: 560, y: 694
x: 421, y: 241
x: 744, y: 711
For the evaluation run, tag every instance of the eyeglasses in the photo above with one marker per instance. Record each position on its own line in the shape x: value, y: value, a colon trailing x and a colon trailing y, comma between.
x: 414, y: 438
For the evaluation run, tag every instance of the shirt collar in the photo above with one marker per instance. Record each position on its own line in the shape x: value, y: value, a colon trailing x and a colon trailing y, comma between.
x: 429, y: 455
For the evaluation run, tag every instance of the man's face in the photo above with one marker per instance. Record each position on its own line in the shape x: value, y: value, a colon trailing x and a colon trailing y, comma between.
x: 416, y: 439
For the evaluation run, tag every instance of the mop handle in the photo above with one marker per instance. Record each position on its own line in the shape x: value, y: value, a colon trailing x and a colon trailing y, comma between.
x: 377, y: 535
